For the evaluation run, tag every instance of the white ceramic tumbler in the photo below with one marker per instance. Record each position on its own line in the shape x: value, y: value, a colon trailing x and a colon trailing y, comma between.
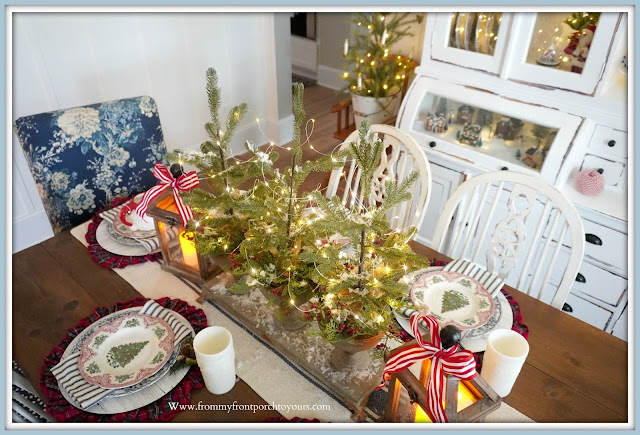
x: 503, y: 360
x: 216, y: 358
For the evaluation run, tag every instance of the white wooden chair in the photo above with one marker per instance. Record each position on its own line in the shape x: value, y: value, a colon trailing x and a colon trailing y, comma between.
x: 401, y: 155
x: 527, y: 217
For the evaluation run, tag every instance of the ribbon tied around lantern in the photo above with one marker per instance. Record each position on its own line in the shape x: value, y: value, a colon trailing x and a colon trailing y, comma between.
x: 183, y: 183
x: 451, y: 361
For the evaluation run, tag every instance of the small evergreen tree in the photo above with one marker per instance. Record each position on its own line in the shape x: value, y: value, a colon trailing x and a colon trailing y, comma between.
x: 358, y: 284
x: 380, y: 71
x: 540, y: 132
x: 281, y: 226
x: 484, y: 117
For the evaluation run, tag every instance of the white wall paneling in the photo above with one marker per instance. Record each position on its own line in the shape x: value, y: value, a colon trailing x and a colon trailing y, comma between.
x: 63, y: 60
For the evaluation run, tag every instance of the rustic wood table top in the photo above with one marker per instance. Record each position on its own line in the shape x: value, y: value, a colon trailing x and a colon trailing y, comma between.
x: 574, y: 371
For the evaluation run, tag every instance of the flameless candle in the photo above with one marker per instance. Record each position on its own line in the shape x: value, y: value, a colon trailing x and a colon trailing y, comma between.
x: 465, y: 400
x: 188, y: 247
x: 385, y: 35
x: 346, y: 46
x: 359, y: 81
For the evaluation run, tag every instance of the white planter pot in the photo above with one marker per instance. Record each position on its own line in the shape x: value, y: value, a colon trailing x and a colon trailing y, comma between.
x: 376, y: 110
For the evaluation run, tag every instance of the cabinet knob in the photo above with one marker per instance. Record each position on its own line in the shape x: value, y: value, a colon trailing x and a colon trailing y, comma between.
x: 504, y: 168
x: 567, y: 308
x: 611, y: 143
x: 593, y: 239
x: 580, y: 278
x: 432, y: 144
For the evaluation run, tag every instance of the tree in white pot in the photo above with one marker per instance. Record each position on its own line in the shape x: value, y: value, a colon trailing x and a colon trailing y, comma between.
x: 377, y: 73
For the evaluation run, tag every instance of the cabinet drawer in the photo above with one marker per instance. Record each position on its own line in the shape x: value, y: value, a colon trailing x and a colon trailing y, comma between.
x: 605, y: 245
x: 608, y: 142
x: 588, y: 312
x: 612, y: 171
x: 598, y: 283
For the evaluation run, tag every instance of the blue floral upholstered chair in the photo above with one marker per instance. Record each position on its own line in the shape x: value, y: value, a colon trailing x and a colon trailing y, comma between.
x: 81, y: 158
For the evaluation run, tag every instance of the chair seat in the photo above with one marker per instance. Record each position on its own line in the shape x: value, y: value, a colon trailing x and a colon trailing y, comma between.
x: 81, y: 158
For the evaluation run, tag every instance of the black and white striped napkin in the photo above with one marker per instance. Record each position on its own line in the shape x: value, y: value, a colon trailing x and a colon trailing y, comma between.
x: 87, y: 394
x: 490, y: 281
x: 151, y: 243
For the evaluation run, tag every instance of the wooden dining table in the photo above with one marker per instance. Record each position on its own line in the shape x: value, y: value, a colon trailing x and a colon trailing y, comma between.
x: 574, y: 372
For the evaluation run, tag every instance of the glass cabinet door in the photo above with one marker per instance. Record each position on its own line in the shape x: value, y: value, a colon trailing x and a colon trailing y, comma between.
x: 485, y: 130
x: 566, y: 50
x: 470, y: 39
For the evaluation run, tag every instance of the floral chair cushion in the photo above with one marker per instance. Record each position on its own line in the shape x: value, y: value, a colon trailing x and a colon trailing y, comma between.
x: 81, y: 158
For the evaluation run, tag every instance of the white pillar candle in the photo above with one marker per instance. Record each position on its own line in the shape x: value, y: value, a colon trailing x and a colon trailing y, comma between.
x: 216, y: 358
x: 359, y: 81
x: 503, y: 360
x: 385, y: 35
x: 346, y: 46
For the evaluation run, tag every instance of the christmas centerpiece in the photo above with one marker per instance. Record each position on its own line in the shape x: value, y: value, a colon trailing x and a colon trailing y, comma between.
x: 377, y: 74
x: 280, y: 227
x: 360, y: 264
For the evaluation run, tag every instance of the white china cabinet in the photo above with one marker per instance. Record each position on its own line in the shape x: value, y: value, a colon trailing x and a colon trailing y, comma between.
x: 541, y: 93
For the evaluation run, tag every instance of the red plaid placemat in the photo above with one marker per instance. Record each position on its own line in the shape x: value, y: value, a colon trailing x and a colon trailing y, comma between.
x: 108, y: 259
x: 159, y: 410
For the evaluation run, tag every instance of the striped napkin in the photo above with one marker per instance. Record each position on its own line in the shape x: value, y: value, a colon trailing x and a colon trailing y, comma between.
x: 87, y: 394
x: 151, y: 243
x: 491, y: 282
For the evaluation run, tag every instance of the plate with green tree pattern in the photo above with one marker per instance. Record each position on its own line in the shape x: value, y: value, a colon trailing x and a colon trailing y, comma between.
x: 126, y: 351
x: 453, y: 299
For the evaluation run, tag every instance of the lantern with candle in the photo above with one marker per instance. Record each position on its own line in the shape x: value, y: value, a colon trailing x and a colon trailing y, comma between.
x: 177, y: 242
x: 447, y: 376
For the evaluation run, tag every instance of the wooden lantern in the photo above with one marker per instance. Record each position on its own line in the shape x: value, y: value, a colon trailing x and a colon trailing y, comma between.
x: 177, y: 245
x: 465, y: 401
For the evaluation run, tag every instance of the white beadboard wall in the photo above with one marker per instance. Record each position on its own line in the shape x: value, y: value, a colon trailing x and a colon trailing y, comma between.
x: 63, y: 60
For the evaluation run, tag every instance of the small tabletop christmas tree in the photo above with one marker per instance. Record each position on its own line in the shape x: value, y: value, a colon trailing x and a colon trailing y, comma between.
x: 360, y: 281
x: 281, y: 226
x: 375, y: 70
x: 221, y: 229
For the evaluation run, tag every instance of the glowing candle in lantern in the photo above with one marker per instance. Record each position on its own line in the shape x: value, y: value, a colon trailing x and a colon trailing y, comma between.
x: 465, y: 400
x: 188, y: 247
x: 346, y: 46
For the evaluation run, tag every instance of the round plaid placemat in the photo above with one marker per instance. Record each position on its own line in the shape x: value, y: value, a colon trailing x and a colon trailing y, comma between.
x: 108, y: 259
x: 160, y: 410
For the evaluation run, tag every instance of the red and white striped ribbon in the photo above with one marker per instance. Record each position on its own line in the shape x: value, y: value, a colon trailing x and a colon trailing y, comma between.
x: 183, y: 183
x: 452, y: 361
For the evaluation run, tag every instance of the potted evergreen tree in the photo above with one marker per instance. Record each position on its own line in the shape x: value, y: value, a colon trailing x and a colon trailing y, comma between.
x: 377, y: 73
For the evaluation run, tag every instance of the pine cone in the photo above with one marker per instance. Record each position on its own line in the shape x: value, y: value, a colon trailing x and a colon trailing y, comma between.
x: 187, y: 350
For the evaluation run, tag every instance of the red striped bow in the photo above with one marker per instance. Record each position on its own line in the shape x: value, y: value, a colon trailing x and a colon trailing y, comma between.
x: 183, y: 183
x: 452, y: 361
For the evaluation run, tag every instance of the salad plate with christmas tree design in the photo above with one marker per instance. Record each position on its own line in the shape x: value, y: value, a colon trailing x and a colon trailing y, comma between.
x: 126, y: 351
x: 453, y: 298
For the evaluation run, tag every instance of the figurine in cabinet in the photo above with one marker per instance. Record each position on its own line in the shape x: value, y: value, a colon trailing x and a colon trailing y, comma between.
x: 471, y: 135
x: 436, y: 123
x: 465, y: 114
x: 578, y: 48
x: 533, y: 158
x: 508, y: 128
